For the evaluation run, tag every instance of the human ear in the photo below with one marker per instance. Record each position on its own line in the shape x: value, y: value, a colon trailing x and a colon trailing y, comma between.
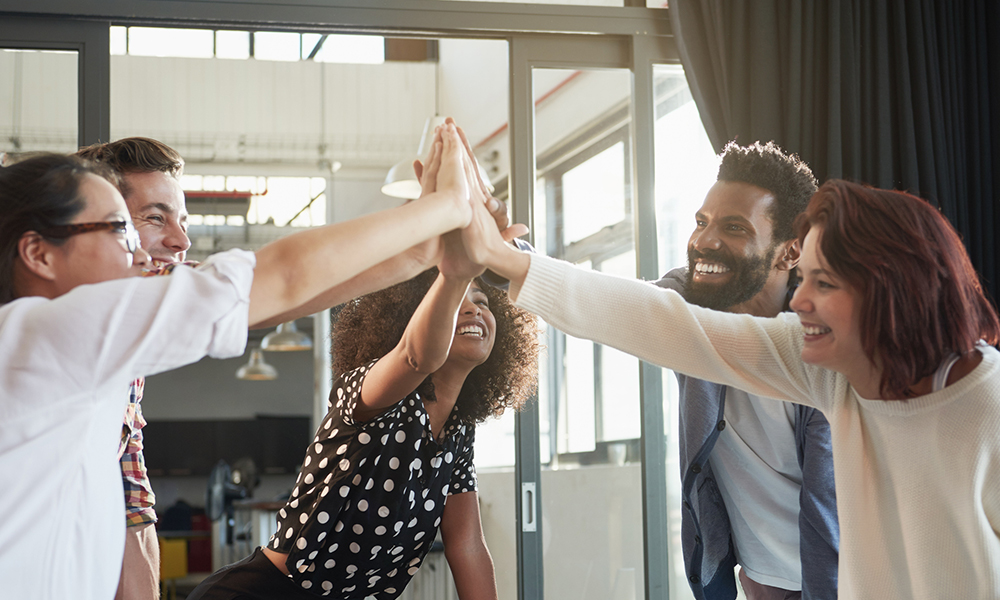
x: 36, y: 255
x: 789, y: 258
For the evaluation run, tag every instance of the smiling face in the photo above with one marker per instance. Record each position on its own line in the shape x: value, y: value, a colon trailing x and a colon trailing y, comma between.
x: 475, y: 329
x: 829, y: 310
x: 730, y: 253
x: 96, y: 256
x: 156, y: 202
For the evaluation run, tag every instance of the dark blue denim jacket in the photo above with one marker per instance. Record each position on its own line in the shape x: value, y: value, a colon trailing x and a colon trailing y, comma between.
x: 706, y: 535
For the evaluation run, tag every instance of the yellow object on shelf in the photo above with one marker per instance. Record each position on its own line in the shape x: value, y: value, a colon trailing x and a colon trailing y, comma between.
x: 173, y: 558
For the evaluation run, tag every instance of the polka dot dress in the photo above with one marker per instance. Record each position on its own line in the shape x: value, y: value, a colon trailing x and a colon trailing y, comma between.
x: 369, y: 499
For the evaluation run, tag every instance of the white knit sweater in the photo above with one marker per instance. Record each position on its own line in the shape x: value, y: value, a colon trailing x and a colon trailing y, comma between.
x: 918, y: 481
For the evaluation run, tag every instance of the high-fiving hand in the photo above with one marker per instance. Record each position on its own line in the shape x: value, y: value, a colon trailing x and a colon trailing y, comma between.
x: 485, y: 237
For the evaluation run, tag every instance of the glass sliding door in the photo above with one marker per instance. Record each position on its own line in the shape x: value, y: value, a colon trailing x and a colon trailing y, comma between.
x: 590, y: 406
x: 685, y: 168
x: 616, y: 148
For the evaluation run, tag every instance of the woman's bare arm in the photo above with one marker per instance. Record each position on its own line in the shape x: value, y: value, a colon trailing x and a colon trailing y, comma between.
x: 465, y: 548
x: 297, y: 269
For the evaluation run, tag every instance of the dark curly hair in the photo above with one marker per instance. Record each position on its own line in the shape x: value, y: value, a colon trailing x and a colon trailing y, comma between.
x: 784, y: 175
x: 369, y: 327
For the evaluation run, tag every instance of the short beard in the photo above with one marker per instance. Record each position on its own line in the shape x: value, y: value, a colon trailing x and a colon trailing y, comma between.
x: 749, y: 276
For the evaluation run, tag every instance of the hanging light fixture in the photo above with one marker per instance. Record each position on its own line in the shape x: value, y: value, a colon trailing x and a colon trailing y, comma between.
x: 256, y: 369
x: 401, y: 182
x: 286, y: 338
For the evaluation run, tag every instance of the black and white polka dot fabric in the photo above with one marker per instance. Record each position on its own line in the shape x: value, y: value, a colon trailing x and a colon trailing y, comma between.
x: 369, y: 499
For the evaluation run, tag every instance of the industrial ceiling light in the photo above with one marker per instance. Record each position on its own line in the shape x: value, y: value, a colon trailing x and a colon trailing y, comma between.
x: 286, y: 338
x: 256, y: 369
x: 401, y: 182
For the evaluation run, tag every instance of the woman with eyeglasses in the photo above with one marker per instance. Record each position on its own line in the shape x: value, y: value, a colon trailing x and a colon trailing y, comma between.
x: 892, y: 338
x: 76, y: 328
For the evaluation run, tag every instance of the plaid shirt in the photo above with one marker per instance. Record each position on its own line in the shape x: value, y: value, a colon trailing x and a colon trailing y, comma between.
x: 139, y: 497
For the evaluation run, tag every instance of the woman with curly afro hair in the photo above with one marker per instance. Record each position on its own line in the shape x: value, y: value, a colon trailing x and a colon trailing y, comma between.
x: 369, y: 327
x: 417, y: 365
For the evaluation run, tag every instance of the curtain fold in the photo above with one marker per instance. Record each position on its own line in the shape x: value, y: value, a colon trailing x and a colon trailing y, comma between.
x: 899, y: 94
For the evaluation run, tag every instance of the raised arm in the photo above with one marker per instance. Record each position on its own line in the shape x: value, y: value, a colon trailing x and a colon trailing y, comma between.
x: 421, y: 351
x: 416, y: 259
x: 297, y: 269
x: 427, y: 339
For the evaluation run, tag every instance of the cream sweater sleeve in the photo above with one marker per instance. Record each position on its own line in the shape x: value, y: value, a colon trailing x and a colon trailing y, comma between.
x: 761, y: 356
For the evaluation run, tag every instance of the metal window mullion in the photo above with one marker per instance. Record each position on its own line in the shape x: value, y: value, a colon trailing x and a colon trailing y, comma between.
x: 527, y: 431
x: 653, y: 443
x: 94, y: 75
x: 556, y: 340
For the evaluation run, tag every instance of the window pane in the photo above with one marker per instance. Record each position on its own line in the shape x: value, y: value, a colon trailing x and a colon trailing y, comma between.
x: 365, y: 49
x: 593, y: 548
x: 276, y: 45
x: 232, y: 44
x: 686, y: 166
x: 185, y: 43
x: 38, y: 102
x: 620, y: 416
x: 577, y: 406
x: 308, y: 43
x: 594, y: 194
x: 119, y: 40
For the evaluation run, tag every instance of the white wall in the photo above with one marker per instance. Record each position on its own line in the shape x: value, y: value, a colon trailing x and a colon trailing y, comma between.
x: 208, y: 390
x: 591, y: 532
x: 217, y: 110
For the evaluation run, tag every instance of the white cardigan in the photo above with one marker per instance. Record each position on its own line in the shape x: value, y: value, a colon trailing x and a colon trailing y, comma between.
x: 918, y: 481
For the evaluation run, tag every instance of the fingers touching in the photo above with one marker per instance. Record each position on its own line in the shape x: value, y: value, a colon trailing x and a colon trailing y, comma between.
x: 451, y: 167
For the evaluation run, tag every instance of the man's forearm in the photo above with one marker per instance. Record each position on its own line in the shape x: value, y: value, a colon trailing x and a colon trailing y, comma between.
x: 401, y: 267
x: 296, y: 269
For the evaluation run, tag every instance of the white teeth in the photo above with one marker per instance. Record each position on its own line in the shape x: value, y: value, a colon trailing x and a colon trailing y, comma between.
x: 813, y: 330
x: 471, y: 330
x: 710, y: 268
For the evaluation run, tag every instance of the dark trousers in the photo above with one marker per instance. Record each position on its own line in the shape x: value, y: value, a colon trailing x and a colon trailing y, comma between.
x: 253, y: 578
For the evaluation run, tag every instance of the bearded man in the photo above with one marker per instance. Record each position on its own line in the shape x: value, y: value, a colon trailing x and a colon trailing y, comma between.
x: 757, y: 473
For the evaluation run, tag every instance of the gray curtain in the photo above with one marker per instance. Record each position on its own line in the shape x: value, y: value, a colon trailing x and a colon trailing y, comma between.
x: 899, y: 94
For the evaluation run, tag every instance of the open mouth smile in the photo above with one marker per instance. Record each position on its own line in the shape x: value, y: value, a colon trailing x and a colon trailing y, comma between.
x: 473, y: 330
x: 710, y: 268
x: 814, y: 330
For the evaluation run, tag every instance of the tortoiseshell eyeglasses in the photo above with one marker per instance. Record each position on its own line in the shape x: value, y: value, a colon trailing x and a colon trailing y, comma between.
x: 125, y: 227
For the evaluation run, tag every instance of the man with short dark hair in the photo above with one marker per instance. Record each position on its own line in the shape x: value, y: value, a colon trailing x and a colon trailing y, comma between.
x: 150, y: 183
x: 756, y: 473
x: 149, y: 171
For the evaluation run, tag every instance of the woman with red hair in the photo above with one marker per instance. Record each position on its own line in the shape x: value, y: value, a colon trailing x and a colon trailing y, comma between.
x: 891, y: 340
